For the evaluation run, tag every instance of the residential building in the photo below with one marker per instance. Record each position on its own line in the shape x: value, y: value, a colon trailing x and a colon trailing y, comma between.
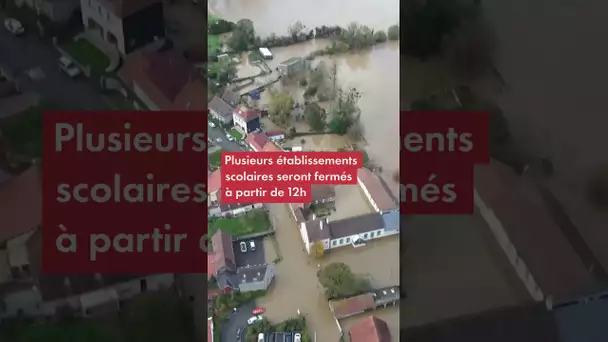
x: 271, y: 147
x: 293, y: 66
x: 231, y: 98
x: 529, y: 235
x: 246, y: 119
x: 376, y: 191
x: 164, y: 81
x: 370, y: 329
x: 214, y: 183
x: 352, y: 231
x: 56, y: 10
x: 228, y: 210
x: 255, y: 278
x: 275, y: 135
x: 127, y: 24
x: 322, y: 194
x: 231, y: 277
x: 21, y: 216
x: 257, y: 140
x: 347, y: 307
x: 220, y: 110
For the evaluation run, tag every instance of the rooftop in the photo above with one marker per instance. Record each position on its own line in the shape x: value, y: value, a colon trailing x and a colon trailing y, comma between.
x: 223, y: 252
x: 370, y: 329
x: 247, y: 114
x: 257, y: 140
x: 352, y: 306
x: 380, y: 195
x: 221, y: 107
x: 317, y: 230
x: 214, y: 181
x: 321, y: 192
x: 252, y: 274
x: 355, y: 225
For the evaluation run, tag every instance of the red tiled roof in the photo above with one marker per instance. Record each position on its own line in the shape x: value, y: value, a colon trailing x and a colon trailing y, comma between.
x: 214, y: 181
x: 246, y: 113
x: 554, y: 264
x: 271, y: 147
x: 370, y: 329
x: 167, y: 78
x: 257, y: 140
x: 211, y: 269
x: 379, y: 193
x: 353, y: 305
x: 21, y: 204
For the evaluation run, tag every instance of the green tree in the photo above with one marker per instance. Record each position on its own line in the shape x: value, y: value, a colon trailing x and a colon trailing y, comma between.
x: 340, y: 282
x: 317, y: 249
x: 393, y: 32
x: 280, y: 107
x: 380, y: 36
x: 243, y: 35
x: 345, y: 111
x: 315, y: 116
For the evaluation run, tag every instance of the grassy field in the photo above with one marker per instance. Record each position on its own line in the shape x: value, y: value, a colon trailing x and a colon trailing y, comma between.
x: 213, y: 41
x: 215, y: 158
x: 255, y: 221
x: 236, y: 134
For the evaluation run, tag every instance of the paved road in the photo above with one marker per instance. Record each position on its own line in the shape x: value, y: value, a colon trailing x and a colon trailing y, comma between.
x: 226, y: 145
x: 21, y: 54
x: 236, y: 322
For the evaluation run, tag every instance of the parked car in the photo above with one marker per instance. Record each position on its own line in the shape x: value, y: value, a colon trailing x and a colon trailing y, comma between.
x: 242, y: 143
x: 68, y: 66
x: 254, y: 319
x: 297, y: 337
x: 243, y: 246
x: 252, y: 245
x: 229, y: 137
x: 14, y: 26
x: 212, y: 125
x: 258, y: 311
x: 261, y: 337
x: 218, y: 140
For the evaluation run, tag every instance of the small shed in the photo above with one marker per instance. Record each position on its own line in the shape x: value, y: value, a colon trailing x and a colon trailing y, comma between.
x: 265, y: 53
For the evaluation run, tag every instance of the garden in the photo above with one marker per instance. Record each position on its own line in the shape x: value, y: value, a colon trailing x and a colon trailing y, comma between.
x: 255, y: 221
x: 83, y: 52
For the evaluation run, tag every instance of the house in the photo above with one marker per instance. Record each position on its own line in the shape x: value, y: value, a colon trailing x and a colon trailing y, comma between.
x: 20, y: 217
x: 323, y: 194
x: 231, y: 98
x: 255, y: 278
x: 220, y: 110
x: 271, y: 147
x: 221, y: 265
x: 229, y: 210
x: 214, y: 183
x: 246, y: 119
x: 256, y: 140
x: 127, y: 24
x: 164, y: 81
x: 58, y: 11
x: 370, y: 329
x: 275, y: 135
x: 292, y: 66
x: 351, y: 306
x: 376, y: 191
x: 517, y: 215
x: 350, y: 231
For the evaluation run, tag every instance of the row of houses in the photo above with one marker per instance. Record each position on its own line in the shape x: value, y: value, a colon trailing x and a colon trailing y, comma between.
x: 26, y: 290
x: 352, y: 231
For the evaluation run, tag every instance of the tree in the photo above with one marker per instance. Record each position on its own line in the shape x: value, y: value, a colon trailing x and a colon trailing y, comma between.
x: 315, y: 116
x: 346, y: 110
x: 317, y: 249
x: 380, y: 37
x: 393, y: 32
x: 243, y: 35
x: 280, y: 107
x: 295, y: 29
x: 340, y: 282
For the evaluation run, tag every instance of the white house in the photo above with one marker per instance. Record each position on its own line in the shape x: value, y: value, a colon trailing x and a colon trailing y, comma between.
x: 246, y: 119
x: 127, y: 24
x: 275, y: 135
x: 353, y: 231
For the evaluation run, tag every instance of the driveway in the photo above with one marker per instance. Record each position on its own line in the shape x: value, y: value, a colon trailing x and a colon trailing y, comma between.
x: 236, y: 322
x: 249, y: 258
x: 228, y: 146
x: 18, y: 55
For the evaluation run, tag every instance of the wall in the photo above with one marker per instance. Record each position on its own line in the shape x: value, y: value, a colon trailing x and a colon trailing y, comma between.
x: 106, y: 19
x: 304, y: 236
x: 345, y: 241
x: 238, y: 121
x: 141, y: 94
x: 369, y: 197
x: 505, y: 243
x: 29, y: 301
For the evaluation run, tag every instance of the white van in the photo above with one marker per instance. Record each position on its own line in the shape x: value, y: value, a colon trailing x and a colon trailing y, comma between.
x: 261, y: 337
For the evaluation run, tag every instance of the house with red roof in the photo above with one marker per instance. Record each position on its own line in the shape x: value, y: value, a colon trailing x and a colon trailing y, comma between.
x: 257, y: 140
x: 246, y: 119
x: 275, y: 135
x: 164, y: 81
x: 214, y: 183
x: 370, y: 329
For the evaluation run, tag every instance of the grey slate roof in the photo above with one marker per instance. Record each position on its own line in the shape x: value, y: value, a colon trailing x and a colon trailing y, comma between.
x: 355, y: 225
x: 221, y: 107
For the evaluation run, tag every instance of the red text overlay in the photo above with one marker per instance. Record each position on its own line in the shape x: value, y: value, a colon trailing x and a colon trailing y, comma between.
x: 124, y: 192
x: 438, y: 153
x: 284, y: 177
